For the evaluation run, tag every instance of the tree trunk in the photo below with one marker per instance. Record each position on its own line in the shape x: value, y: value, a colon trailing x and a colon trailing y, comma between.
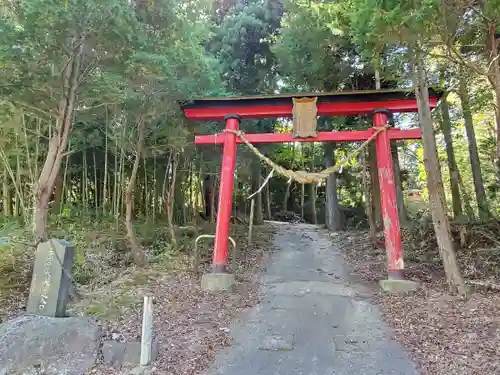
x: 287, y: 196
x: 190, y: 212
x: 121, y: 176
x: 302, y: 200
x: 168, y: 165
x: 400, y: 201
x: 179, y: 193
x: 497, y: 120
x: 114, y: 193
x: 312, y: 191
x: 473, y: 151
x: 57, y: 145
x: 374, y: 186
x: 65, y: 195
x: 377, y: 75
x: 435, y: 185
x: 170, y: 200
x: 58, y: 192
x: 256, y: 183
x: 494, y: 78
x: 20, y: 207
x: 467, y: 199
x: 138, y: 255
x: 214, y: 202
x: 85, y: 183
x: 367, y: 191
x: 289, y: 184
x: 7, y: 194
x: 267, y: 201
x: 267, y: 195
x: 105, y: 180
x: 96, y: 185
x: 146, y: 190
x: 302, y: 186
x: 208, y: 189
x: 452, y: 163
x: 312, y: 197
x: 333, y: 218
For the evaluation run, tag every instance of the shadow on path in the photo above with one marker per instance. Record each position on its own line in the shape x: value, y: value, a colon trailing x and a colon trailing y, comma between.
x: 313, y: 318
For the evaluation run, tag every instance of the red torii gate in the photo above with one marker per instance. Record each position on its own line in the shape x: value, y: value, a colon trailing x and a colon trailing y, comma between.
x: 380, y: 103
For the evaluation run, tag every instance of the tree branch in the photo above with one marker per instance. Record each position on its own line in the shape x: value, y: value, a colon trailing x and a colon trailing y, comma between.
x: 88, y: 70
x: 33, y: 108
x: 480, y: 14
x: 96, y: 106
x: 459, y: 59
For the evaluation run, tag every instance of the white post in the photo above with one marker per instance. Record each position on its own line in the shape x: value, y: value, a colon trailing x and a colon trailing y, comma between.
x: 147, y: 331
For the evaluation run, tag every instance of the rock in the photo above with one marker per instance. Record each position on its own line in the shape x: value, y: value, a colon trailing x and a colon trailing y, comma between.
x: 133, y: 352
x: 118, y: 354
x: 34, y: 344
x: 113, y: 353
x: 51, y: 280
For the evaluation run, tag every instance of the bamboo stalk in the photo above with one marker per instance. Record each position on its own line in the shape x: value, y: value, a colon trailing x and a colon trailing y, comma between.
x: 37, y: 146
x: 64, y: 187
x: 30, y: 169
x: 13, y: 178
x: 105, y: 182
x: 96, y: 198
x: 153, y: 198
x: 20, y: 206
x: 250, y: 225
x: 115, y: 183
x: 84, y: 181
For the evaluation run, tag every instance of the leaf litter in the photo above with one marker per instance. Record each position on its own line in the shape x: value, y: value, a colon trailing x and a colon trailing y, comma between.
x: 190, y: 325
x: 444, y: 334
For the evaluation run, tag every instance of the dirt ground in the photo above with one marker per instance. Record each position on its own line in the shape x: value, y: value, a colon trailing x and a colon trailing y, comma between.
x: 444, y: 334
x: 190, y: 325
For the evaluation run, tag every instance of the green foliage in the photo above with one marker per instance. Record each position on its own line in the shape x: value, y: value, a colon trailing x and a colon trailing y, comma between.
x: 313, y: 53
x: 242, y: 43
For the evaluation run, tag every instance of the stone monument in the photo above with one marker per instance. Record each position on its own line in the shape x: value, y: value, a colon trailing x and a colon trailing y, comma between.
x: 51, y: 280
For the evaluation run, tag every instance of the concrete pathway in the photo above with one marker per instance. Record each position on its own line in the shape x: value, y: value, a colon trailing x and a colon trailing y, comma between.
x: 312, y: 320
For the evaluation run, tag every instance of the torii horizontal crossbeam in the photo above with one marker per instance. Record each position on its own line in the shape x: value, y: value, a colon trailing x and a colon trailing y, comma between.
x: 328, y: 104
x: 344, y: 136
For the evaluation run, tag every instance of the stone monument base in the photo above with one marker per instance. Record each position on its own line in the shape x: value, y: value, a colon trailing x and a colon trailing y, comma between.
x: 51, y: 280
x: 216, y: 282
x: 31, y: 344
x: 398, y: 286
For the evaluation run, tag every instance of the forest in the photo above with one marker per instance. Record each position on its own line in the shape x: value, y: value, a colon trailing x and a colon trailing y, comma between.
x: 94, y: 146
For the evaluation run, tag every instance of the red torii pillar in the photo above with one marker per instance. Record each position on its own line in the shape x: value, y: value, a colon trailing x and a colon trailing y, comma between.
x: 390, y: 214
x: 219, y: 278
x: 219, y: 262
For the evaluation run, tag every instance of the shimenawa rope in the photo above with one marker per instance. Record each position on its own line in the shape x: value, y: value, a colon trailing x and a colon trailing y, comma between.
x: 305, y: 177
